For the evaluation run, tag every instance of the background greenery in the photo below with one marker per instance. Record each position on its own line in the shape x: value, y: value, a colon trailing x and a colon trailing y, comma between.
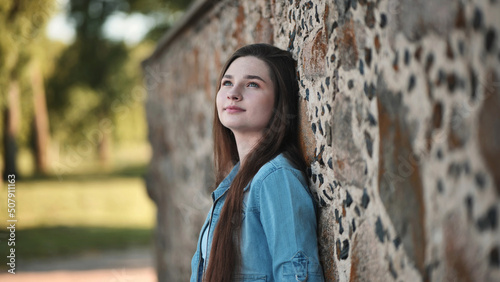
x: 80, y: 184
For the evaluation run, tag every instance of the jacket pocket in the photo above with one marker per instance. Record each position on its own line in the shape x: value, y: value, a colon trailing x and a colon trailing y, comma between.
x: 251, y: 277
x: 300, y: 268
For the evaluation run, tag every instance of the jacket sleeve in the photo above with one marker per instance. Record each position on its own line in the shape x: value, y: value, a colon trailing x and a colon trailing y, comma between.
x: 289, y: 221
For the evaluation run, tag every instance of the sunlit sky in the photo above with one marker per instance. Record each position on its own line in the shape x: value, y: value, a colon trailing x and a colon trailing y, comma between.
x: 119, y: 26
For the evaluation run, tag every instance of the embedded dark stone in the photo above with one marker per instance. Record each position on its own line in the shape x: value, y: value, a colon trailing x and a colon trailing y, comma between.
x: 332, y: 58
x: 361, y: 67
x: 489, y: 39
x: 379, y: 230
x: 365, y: 199
x: 407, y: 57
x: 473, y: 84
x: 328, y: 131
x: 322, y: 202
x: 347, y: 5
x: 429, y: 61
x: 291, y: 37
x: 307, y: 94
x: 338, y: 248
x: 313, y: 127
x: 371, y: 119
x: 494, y: 257
x: 392, y: 270
x: 322, y: 89
x: 369, y: 90
x: 320, y: 128
x: 449, y: 50
x: 383, y: 20
x: 357, y: 211
x: 488, y: 221
x: 320, y: 178
x: 480, y: 180
x: 454, y: 170
x: 353, y: 223
x: 337, y: 215
x: 348, y: 199
x: 437, y: 115
x: 439, y: 154
x: 411, y: 83
x: 341, y: 228
x: 316, y: 112
x: 469, y: 203
x: 440, y: 186
x: 350, y: 84
x: 344, y: 253
x: 368, y: 56
x: 327, y: 196
x: 330, y: 164
x: 334, y: 26
x: 308, y: 5
x: 418, y: 53
x: 396, y: 242
x: 314, y: 178
x: 461, y: 47
x: 395, y: 62
x: 466, y: 167
x: 451, y: 79
x: 327, y: 81
x: 370, y: 15
x: 477, y: 21
x: 441, y: 77
x: 369, y: 143
x: 319, y: 96
x: 354, y: 4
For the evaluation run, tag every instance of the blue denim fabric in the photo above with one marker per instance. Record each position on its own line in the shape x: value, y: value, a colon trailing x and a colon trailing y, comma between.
x: 278, y: 235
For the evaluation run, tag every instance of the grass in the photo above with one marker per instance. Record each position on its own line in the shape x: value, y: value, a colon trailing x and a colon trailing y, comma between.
x: 46, y: 242
x: 84, y: 212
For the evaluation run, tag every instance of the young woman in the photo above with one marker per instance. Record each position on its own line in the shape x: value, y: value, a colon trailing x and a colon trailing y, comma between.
x: 262, y: 225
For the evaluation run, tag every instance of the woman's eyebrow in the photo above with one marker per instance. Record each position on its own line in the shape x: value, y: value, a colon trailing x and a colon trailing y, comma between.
x: 248, y: 76
x: 254, y: 77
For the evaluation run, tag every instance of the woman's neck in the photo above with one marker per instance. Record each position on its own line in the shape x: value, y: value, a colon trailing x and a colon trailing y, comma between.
x: 245, y: 144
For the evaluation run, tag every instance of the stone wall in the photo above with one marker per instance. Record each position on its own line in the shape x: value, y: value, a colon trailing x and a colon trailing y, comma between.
x: 400, y: 121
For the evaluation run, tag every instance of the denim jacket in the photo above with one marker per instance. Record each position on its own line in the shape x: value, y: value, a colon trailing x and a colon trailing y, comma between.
x: 278, y: 231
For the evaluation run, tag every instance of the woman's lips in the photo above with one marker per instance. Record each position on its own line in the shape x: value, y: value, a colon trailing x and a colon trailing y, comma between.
x: 234, y: 109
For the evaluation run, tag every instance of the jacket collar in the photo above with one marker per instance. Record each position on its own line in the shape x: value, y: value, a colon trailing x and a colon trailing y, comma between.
x: 224, y: 185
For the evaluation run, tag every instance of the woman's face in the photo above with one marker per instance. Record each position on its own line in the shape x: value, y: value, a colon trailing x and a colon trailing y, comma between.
x: 245, y: 100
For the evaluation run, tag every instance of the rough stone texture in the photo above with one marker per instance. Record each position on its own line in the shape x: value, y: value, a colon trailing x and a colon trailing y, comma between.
x: 400, y: 122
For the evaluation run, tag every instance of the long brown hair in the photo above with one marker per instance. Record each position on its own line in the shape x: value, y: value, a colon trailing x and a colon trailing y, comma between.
x: 280, y: 136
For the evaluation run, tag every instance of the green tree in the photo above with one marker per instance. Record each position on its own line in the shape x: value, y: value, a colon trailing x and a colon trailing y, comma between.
x: 20, y: 24
x: 91, y: 80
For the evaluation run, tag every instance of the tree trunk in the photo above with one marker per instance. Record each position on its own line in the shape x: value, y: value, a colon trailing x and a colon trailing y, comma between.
x: 11, y: 129
x: 40, y: 123
x: 104, y: 148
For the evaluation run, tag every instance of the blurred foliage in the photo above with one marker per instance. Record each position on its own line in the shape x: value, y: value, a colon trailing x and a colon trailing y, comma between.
x: 21, y: 23
x: 92, y: 79
x: 96, y: 76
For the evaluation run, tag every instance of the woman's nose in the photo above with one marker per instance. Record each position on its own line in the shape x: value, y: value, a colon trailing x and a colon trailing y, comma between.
x: 234, y: 94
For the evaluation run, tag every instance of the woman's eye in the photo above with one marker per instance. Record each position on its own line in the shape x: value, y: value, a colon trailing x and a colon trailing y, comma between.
x: 226, y: 83
x: 253, y: 84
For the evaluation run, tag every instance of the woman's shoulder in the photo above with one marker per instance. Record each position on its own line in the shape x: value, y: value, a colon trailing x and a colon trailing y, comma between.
x: 280, y: 165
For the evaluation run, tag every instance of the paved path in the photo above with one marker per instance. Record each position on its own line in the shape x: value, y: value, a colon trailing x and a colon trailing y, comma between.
x: 117, y: 266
